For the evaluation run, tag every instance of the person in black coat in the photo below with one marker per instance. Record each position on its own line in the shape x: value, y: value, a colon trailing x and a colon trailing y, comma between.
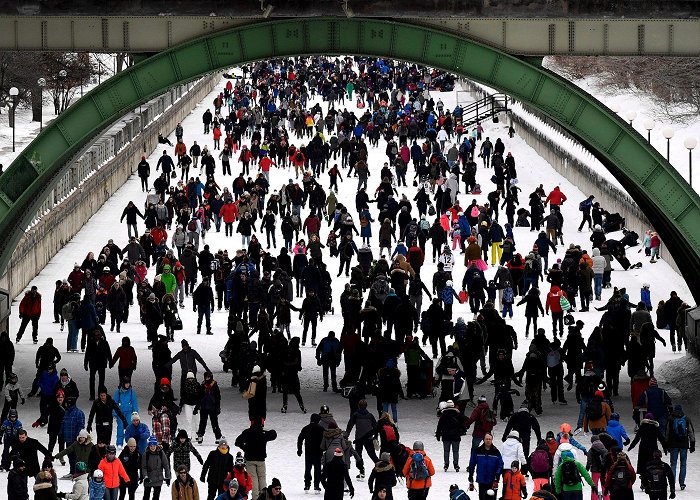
x: 310, y: 310
x: 291, y: 366
x: 311, y: 436
x: 335, y: 476
x: 7, y: 357
x: 533, y: 304
x: 17, y: 488
x: 153, y: 317
x: 253, y: 441
x: 524, y: 422
x: 97, y: 357
x: 28, y: 450
x: 647, y: 437
x: 216, y: 467
x: 450, y: 429
x: 383, y: 476
x: 131, y: 460
x: 101, y: 414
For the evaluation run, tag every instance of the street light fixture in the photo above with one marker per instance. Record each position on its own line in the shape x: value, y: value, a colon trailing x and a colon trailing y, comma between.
x: 14, y: 92
x: 649, y: 124
x: 690, y: 143
x: 668, y: 134
x: 41, y: 82
x: 615, y: 107
x: 631, y: 115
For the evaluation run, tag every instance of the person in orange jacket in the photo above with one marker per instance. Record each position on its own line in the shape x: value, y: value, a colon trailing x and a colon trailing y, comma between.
x: 514, y: 485
x: 418, y: 471
x: 113, y: 469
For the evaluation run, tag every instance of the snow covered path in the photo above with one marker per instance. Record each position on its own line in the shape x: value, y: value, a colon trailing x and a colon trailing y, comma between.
x: 416, y: 417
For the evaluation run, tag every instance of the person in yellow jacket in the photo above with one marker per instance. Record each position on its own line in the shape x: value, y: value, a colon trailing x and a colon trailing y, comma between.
x: 418, y: 471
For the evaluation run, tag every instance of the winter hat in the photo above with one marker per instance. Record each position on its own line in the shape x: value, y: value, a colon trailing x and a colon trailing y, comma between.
x: 152, y: 297
x: 81, y: 467
x: 601, y: 386
x: 152, y: 441
x: 315, y: 418
x: 615, y: 416
x: 649, y: 415
x: 131, y: 442
x: 83, y: 434
x: 676, y: 408
x: 550, y: 435
x: 418, y: 445
x: 275, y: 483
x: 338, y: 452
x: 223, y: 443
x: 385, y: 456
x: 190, y: 375
x: 565, y: 428
x: 164, y: 381
x: 652, y: 381
x: 233, y: 484
x: 111, y: 448
x: 64, y: 372
x: 514, y: 434
x: 135, y: 416
x: 391, y: 363
x: 599, y: 394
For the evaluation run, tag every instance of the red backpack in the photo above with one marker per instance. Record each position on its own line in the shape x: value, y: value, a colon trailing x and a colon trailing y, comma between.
x: 389, y: 433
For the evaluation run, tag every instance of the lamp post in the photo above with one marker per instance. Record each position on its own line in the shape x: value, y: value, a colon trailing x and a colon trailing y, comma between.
x: 14, y: 92
x: 668, y: 134
x: 690, y: 143
x: 615, y: 107
x: 649, y: 124
x: 61, y: 79
x: 631, y: 115
x: 41, y: 82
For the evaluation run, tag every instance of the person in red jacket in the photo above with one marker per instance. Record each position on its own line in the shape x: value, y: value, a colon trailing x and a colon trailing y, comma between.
x: 620, y: 478
x: 245, y: 158
x: 556, y: 197
x: 229, y: 213
x: 240, y: 473
x: 553, y: 303
x: 217, y: 137
x: 30, y: 310
x: 125, y: 355
x: 265, y: 163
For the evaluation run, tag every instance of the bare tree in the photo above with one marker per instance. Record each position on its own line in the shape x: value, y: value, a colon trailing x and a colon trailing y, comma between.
x: 673, y: 82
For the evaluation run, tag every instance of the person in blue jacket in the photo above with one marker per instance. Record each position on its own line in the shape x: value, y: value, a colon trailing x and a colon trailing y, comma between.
x: 139, y: 431
x: 617, y: 431
x: 125, y: 398
x: 73, y: 423
x: 8, y: 435
x: 486, y: 460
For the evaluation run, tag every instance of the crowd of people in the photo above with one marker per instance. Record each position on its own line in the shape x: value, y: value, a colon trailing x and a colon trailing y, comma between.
x: 291, y: 115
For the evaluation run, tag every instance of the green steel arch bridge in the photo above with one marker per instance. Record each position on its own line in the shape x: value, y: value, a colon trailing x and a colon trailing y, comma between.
x: 502, y: 52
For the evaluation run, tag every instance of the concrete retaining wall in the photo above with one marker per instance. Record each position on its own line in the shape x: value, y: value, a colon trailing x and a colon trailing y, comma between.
x: 581, y: 175
x: 92, y: 179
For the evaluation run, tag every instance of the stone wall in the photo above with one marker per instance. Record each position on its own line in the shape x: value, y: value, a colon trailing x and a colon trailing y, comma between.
x: 93, y: 178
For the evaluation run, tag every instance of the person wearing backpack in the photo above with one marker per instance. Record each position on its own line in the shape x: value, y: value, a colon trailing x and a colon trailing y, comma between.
x: 680, y: 439
x: 655, y: 478
x: 486, y: 460
x: 418, y: 471
x: 567, y: 478
x: 539, y: 464
x: 620, y: 478
x: 657, y: 401
x: 585, y: 208
x: 555, y: 304
x: 597, y: 414
x: 595, y: 463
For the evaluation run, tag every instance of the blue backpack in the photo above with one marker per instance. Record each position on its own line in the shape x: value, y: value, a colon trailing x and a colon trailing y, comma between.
x: 680, y: 427
x: 418, y: 471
